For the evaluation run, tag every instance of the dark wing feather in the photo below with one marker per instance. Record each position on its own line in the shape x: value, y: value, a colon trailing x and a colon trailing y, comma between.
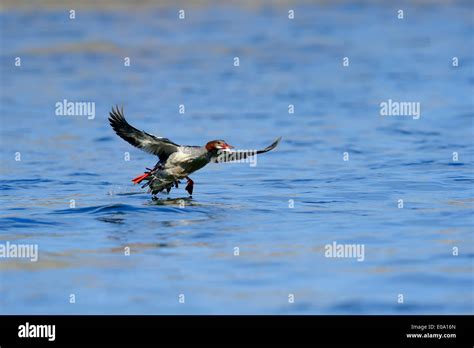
x: 158, y: 146
x: 235, y: 155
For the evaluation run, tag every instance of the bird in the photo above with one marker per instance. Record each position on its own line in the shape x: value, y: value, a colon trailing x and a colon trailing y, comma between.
x: 175, y: 162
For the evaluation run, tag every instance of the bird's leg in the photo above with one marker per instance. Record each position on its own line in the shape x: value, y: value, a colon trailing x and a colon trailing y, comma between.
x: 189, y: 186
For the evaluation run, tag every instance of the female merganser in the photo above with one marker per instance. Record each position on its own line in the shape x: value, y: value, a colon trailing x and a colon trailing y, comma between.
x: 175, y: 161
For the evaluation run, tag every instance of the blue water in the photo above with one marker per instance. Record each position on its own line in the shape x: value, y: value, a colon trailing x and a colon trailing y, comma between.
x: 190, y: 250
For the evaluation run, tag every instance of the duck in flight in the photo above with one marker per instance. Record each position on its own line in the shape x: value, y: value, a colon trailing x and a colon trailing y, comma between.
x: 176, y: 162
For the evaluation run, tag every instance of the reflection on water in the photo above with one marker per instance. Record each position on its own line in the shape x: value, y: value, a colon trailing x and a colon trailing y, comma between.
x: 180, y: 202
x: 249, y: 236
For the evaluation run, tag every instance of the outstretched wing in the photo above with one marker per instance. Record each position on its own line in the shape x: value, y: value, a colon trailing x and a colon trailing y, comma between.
x: 236, y: 155
x: 158, y: 146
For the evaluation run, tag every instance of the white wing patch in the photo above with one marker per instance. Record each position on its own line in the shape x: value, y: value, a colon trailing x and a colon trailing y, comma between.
x: 179, y: 157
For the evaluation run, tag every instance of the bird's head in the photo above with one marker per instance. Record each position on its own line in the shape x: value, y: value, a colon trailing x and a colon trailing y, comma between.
x: 216, y: 145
